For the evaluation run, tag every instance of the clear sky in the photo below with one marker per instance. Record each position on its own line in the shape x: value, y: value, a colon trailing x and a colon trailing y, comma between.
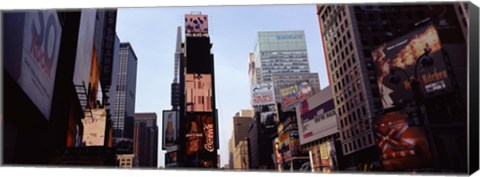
x: 152, y: 34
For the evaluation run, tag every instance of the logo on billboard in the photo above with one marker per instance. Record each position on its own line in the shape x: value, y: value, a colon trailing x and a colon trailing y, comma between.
x: 400, y: 57
x: 263, y: 94
x: 401, y: 146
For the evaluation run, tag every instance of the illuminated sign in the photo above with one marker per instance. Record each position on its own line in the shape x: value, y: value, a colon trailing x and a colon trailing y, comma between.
x: 170, y: 129
x: 196, y: 24
x: 402, y: 146
x: 94, y: 128
x: 399, y: 57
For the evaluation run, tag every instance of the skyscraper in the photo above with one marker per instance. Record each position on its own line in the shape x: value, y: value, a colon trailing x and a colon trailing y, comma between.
x: 349, y: 35
x: 125, y: 93
x: 280, y: 52
x: 198, y: 114
x: 145, y: 140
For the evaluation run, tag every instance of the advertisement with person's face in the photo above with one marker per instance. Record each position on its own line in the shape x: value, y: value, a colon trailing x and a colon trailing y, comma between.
x: 294, y: 94
x: 33, y: 67
x: 200, y: 137
x: 402, y: 147
x: 398, y: 59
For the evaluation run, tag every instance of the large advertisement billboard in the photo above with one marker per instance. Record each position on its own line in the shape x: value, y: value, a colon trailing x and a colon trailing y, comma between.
x: 317, y: 118
x: 198, y: 91
x: 402, y: 147
x: 94, y: 128
x: 196, y: 23
x: 263, y: 94
x: 35, y: 68
x: 295, y: 93
x: 170, y: 130
x: 85, y: 48
x: 200, y: 139
x: 399, y: 57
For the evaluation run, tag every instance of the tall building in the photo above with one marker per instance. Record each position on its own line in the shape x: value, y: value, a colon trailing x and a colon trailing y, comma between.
x: 241, y: 156
x: 123, y: 116
x: 198, y: 114
x: 145, y: 140
x: 240, y: 128
x: 280, y: 52
x: 349, y: 34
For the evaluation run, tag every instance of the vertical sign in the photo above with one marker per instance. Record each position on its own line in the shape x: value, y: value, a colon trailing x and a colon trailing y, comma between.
x: 170, y: 129
x: 108, y: 46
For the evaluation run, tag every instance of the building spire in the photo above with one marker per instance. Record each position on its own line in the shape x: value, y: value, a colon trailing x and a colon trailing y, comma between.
x: 178, y: 52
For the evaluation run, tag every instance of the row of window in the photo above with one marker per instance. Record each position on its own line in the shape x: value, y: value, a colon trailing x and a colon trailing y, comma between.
x: 358, y: 143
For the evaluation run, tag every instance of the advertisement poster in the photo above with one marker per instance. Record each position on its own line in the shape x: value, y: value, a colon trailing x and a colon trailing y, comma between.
x: 94, y: 128
x: 269, y: 119
x: 171, y: 159
x: 317, y: 118
x: 402, y: 55
x: 200, y: 139
x: 196, y: 23
x: 294, y: 94
x: 170, y: 129
x: 263, y: 94
x: 198, y: 90
x: 402, y: 147
x: 34, y: 66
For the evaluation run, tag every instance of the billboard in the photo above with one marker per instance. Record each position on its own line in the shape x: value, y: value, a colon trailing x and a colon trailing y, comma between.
x: 200, y: 139
x: 170, y: 130
x: 295, y: 93
x: 324, y: 157
x: 196, y: 24
x: 34, y: 66
x: 198, y: 92
x: 402, y: 147
x: 268, y: 119
x: 317, y: 118
x: 85, y: 48
x: 171, y: 159
x: 94, y: 128
x: 403, y: 54
x: 263, y: 94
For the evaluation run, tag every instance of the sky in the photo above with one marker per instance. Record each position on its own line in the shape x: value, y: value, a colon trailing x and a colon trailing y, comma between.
x: 232, y: 30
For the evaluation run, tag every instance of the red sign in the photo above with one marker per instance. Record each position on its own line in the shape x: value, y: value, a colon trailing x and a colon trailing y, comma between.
x: 402, y: 147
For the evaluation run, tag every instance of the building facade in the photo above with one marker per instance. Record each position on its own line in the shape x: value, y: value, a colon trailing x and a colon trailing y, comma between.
x: 123, y: 116
x: 280, y: 52
x: 241, y: 157
x: 145, y: 140
x: 349, y: 35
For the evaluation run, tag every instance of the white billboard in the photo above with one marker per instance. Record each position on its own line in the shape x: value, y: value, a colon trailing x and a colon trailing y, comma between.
x: 263, y: 94
x: 94, y: 128
x: 38, y: 62
x: 85, y: 46
x: 316, y: 117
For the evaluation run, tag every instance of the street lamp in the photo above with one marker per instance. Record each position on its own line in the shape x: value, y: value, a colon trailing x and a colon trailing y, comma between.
x: 424, y: 61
